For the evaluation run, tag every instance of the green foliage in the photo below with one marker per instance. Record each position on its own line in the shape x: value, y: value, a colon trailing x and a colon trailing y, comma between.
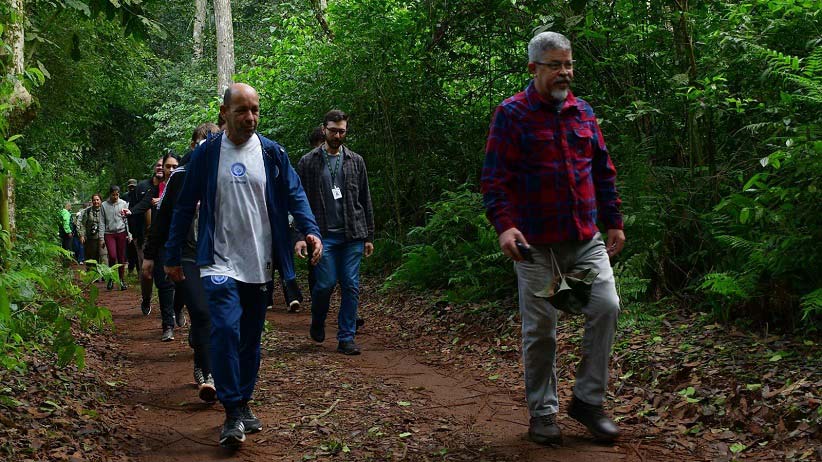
x: 631, y: 284
x: 457, y: 251
x: 91, y: 130
x: 419, y: 106
x: 40, y: 304
x: 711, y: 112
x: 812, y: 305
x: 685, y: 125
x: 770, y: 229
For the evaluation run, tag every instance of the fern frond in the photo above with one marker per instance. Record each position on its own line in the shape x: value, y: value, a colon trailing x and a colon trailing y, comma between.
x: 738, y: 243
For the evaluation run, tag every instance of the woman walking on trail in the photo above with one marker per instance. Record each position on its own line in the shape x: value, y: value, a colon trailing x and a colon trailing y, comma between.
x: 148, y: 205
x: 116, y: 234
x: 90, y: 229
x: 192, y: 285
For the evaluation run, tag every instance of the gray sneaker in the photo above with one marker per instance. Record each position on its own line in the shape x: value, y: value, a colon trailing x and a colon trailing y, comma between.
x: 168, y: 334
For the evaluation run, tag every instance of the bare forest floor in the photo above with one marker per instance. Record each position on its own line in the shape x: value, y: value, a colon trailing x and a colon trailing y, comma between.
x: 433, y: 383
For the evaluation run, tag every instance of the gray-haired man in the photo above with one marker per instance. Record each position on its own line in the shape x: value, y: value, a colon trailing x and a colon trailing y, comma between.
x: 547, y: 178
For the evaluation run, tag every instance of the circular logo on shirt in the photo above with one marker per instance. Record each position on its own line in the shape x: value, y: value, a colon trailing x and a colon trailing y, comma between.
x: 238, y: 169
x: 219, y: 280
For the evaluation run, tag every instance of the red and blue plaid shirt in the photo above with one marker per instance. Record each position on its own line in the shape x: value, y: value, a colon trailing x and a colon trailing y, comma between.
x: 547, y: 172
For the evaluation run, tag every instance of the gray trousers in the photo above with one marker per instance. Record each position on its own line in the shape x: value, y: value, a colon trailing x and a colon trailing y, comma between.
x: 539, y: 324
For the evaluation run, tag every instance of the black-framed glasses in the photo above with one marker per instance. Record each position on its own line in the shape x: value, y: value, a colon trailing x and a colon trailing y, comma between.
x: 557, y: 65
x: 337, y: 131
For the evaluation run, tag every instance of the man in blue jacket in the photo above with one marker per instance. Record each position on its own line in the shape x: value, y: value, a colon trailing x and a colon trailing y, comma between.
x: 246, y: 188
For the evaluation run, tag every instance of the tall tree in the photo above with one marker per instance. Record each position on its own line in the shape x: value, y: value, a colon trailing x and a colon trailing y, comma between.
x: 199, y: 24
x: 225, y: 44
x: 19, y: 101
x: 16, y: 40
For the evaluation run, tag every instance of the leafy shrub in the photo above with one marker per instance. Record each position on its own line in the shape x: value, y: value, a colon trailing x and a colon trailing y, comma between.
x: 456, y: 250
x: 770, y: 231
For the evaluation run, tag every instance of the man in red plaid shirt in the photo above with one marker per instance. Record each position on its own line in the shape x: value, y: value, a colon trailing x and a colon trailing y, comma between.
x: 547, y: 178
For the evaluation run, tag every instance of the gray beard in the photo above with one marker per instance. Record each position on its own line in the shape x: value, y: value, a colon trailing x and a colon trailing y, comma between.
x: 559, y: 95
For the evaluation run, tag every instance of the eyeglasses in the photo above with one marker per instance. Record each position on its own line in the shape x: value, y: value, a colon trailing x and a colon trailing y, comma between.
x: 337, y: 131
x: 557, y: 65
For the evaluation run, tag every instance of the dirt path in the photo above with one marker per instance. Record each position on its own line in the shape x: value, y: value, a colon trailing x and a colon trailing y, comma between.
x: 315, y: 404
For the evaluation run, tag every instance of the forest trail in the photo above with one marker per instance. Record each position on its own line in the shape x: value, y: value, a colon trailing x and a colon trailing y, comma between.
x: 316, y: 404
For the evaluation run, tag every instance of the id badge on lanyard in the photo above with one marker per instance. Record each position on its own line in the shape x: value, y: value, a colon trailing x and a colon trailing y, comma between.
x: 335, y: 191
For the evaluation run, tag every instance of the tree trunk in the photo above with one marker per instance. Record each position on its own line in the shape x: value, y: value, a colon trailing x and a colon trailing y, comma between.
x: 20, y: 97
x: 199, y: 24
x: 321, y: 6
x: 225, y: 44
x: 7, y: 204
x: 686, y: 57
x: 19, y: 100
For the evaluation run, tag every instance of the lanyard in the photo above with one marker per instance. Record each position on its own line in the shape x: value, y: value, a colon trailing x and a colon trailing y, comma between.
x: 332, y: 173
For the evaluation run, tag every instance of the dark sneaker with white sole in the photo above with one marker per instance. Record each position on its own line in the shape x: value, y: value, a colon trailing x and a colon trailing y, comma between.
x: 593, y: 417
x: 168, y: 334
x: 293, y: 295
x: 233, y: 434
x: 250, y: 421
x: 544, y: 430
x: 145, y: 308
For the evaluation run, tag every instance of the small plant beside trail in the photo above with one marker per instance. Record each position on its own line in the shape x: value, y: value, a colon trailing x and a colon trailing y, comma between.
x: 456, y: 251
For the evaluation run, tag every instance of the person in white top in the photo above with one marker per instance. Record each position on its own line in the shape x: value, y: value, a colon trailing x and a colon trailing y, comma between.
x: 115, y: 233
x: 245, y: 187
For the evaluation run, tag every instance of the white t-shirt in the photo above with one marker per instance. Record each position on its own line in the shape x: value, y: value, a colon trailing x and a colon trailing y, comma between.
x: 242, y: 231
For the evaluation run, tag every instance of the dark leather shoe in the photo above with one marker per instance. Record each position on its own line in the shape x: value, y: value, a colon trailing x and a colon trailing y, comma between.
x: 317, y: 332
x: 544, y: 430
x: 348, y: 348
x: 593, y: 417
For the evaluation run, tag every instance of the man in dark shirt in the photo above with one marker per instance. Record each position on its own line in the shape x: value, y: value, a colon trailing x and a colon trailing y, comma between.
x: 336, y: 183
x: 547, y: 178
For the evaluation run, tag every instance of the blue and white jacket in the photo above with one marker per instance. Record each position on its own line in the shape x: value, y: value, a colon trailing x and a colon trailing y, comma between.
x: 284, y: 195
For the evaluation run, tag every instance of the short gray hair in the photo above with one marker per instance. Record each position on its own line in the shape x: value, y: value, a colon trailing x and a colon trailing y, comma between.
x: 545, y: 41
